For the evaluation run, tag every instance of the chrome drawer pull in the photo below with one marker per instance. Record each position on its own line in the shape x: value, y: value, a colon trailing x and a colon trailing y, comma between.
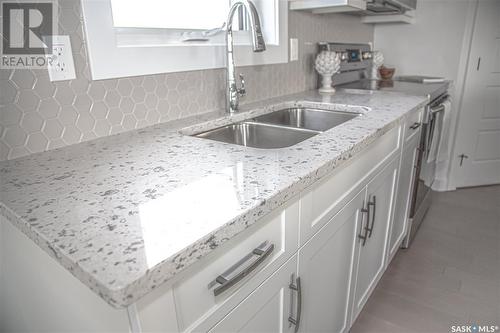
x: 298, y: 288
x: 374, y: 205
x: 365, y: 229
x: 415, y: 126
x: 242, y: 268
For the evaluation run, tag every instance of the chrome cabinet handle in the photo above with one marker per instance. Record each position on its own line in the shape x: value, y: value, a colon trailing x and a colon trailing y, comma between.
x: 374, y: 210
x: 298, y: 288
x: 415, y: 126
x: 364, y: 236
x: 242, y: 268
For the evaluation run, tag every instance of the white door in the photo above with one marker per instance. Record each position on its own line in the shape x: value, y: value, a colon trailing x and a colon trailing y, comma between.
x: 372, y: 253
x: 325, y: 267
x: 477, y: 147
x: 268, y: 308
x: 402, y: 201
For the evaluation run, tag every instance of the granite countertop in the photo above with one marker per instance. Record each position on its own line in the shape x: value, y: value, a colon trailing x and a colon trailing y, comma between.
x: 127, y: 213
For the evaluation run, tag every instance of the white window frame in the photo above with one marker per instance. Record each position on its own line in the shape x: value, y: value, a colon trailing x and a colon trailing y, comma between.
x: 108, y: 59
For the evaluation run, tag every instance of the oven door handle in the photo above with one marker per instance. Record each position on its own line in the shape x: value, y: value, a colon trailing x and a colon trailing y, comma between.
x: 434, y: 110
x: 437, y: 109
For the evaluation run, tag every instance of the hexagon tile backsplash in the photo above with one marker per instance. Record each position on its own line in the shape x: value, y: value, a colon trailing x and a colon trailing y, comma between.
x: 38, y: 115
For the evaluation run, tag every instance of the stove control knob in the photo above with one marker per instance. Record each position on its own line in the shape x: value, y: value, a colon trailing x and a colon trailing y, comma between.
x: 366, y: 55
x: 344, y: 56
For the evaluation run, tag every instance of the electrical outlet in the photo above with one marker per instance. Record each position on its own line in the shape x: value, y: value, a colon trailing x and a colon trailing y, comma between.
x: 294, y: 49
x: 61, y: 67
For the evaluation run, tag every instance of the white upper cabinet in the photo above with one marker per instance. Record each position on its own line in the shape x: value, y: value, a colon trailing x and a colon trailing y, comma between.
x: 328, y: 6
x: 373, y: 11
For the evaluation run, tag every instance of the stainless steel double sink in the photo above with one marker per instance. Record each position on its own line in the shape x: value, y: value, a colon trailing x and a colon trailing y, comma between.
x: 279, y: 129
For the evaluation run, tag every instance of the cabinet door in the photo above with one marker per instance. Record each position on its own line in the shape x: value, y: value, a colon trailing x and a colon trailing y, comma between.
x: 401, y: 210
x: 372, y: 253
x: 266, y: 309
x: 326, y: 267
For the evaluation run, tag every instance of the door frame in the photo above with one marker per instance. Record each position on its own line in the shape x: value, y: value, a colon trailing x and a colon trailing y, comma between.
x: 450, y: 183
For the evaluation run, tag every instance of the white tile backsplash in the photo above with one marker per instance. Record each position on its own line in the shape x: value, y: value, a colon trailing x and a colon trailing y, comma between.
x: 38, y: 115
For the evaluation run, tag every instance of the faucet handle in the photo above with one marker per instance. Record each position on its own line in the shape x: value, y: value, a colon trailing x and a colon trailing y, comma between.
x: 242, y: 91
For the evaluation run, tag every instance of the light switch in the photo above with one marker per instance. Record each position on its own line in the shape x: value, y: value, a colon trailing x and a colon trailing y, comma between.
x: 61, y: 67
x: 294, y: 49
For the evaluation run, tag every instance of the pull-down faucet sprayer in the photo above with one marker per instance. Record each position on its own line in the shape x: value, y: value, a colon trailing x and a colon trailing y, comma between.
x: 233, y: 93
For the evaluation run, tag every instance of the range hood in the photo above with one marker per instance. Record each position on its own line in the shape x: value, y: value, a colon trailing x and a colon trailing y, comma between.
x: 388, y: 7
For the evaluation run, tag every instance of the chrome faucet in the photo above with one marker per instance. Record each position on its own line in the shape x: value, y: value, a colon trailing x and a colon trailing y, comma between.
x: 233, y: 93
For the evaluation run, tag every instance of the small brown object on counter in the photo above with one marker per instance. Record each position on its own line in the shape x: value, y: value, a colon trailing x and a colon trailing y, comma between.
x: 386, y: 73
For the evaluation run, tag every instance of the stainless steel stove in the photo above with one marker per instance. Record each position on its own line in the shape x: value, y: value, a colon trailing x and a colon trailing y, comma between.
x: 354, y: 76
x: 355, y: 70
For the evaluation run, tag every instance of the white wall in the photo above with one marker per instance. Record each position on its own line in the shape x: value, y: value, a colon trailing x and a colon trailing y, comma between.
x: 432, y: 46
x: 436, y: 45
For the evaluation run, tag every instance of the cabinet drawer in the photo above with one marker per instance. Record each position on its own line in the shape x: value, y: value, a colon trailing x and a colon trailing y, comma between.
x: 413, y: 124
x: 199, y: 300
x: 320, y: 203
x: 268, y: 308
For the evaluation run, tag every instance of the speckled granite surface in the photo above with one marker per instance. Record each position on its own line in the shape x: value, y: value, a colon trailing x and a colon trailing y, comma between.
x: 126, y: 213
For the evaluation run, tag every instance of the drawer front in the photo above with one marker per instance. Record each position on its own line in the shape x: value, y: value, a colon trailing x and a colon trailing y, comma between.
x: 413, y: 124
x: 267, y: 309
x: 207, y: 295
x: 320, y: 203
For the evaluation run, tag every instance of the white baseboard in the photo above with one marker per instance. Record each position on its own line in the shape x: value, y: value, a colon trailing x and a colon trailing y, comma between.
x: 441, y: 185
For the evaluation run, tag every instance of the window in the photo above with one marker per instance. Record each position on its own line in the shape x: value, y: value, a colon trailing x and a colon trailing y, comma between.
x: 130, y: 37
x: 197, y: 22
x: 184, y: 14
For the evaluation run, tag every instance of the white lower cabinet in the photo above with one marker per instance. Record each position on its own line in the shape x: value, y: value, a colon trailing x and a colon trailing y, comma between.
x: 371, y: 261
x: 325, y: 268
x: 402, y: 208
x: 269, y: 308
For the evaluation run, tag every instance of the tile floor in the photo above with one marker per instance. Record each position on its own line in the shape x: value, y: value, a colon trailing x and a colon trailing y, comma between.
x: 451, y: 273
